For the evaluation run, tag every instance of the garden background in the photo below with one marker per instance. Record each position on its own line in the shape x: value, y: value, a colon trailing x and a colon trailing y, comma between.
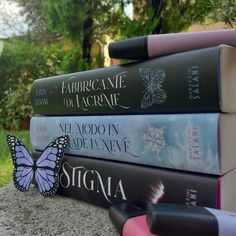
x: 46, y: 37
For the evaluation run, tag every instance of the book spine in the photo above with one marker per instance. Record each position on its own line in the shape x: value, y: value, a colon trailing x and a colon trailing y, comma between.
x: 105, y: 183
x: 178, y: 83
x: 177, y: 141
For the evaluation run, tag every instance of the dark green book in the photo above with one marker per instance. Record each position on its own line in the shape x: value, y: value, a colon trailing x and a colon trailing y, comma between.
x: 195, y: 81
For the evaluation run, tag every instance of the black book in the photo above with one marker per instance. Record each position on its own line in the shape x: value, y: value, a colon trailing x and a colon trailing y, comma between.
x: 194, y: 81
x: 105, y: 183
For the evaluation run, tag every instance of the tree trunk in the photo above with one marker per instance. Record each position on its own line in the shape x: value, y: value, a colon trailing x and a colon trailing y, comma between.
x: 87, y: 39
x: 157, y: 6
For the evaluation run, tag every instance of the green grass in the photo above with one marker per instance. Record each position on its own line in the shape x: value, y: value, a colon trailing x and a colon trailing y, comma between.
x: 6, y: 166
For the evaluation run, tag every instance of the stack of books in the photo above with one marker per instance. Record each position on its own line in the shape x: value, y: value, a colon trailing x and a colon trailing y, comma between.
x: 160, y: 129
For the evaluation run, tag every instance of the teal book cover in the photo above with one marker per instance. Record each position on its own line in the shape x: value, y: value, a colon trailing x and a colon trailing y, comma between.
x: 182, y: 141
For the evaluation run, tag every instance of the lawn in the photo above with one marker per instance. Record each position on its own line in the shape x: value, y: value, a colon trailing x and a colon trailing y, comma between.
x: 6, y: 166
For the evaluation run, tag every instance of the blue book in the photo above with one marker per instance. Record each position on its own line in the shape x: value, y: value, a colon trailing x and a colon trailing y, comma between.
x: 203, y: 143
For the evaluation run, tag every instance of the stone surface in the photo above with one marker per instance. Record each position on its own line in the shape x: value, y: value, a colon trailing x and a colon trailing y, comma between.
x: 32, y: 214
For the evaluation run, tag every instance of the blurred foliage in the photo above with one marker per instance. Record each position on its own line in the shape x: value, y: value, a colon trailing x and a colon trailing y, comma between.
x: 225, y: 11
x: 37, y: 28
x: 84, y: 22
x: 72, y: 61
x: 167, y: 16
x: 65, y: 36
x: 21, y: 63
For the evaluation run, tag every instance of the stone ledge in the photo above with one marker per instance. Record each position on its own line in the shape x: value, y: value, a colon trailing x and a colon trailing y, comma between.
x: 31, y: 214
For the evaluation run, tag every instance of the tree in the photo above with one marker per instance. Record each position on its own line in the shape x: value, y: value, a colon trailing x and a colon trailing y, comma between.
x: 225, y: 10
x: 167, y: 16
x: 21, y: 63
x: 84, y: 21
x: 11, y: 23
x: 38, y: 31
x: 178, y: 15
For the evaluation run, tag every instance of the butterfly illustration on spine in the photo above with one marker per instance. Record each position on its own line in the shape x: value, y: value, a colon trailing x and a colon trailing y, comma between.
x: 152, y: 80
x: 44, y: 172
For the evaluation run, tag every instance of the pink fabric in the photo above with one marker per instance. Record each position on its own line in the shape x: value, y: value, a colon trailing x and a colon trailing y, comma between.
x: 164, y: 44
x: 136, y: 226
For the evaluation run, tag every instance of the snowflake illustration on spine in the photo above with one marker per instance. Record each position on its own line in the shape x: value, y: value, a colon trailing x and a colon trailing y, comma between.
x: 154, y: 140
x: 153, y: 93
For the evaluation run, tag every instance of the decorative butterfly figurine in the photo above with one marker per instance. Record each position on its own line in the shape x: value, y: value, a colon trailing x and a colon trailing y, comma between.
x: 44, y: 171
x: 152, y: 79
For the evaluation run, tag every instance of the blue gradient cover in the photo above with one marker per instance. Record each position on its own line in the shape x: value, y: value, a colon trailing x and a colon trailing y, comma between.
x: 183, y: 141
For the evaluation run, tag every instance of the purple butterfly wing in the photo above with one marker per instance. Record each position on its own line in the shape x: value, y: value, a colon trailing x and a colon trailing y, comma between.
x: 48, y: 166
x: 23, y: 164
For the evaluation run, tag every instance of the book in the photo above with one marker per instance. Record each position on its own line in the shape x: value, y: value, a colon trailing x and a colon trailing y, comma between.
x: 105, y: 182
x: 163, y: 44
x: 195, y: 81
x: 198, y: 142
